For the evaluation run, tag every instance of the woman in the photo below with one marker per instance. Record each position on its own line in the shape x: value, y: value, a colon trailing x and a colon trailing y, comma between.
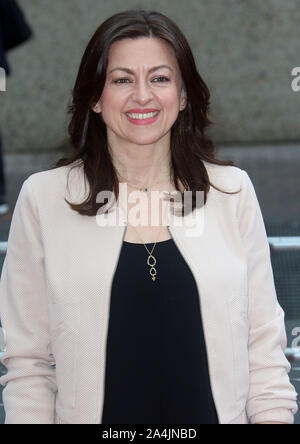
x: 113, y: 322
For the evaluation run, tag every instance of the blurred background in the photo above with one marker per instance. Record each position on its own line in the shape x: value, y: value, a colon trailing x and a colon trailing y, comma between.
x: 246, y: 51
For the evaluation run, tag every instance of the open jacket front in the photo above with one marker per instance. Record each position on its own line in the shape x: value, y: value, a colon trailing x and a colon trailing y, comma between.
x: 55, y: 298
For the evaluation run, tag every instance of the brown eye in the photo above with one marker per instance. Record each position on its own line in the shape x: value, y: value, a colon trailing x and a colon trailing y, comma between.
x: 161, y: 77
x: 117, y: 81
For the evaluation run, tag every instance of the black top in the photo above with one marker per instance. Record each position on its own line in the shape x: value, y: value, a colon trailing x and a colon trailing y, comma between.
x: 156, y: 361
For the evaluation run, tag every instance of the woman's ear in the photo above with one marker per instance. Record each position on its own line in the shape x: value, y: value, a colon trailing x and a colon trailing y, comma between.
x: 97, y: 108
x: 183, y: 99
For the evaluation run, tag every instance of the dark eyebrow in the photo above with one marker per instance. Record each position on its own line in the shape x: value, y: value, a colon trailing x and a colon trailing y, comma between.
x: 129, y: 71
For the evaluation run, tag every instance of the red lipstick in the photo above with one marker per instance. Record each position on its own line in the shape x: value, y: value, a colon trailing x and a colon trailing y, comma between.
x: 142, y: 121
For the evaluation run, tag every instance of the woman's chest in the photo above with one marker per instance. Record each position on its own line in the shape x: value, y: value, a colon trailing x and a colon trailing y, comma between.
x: 146, y: 219
x: 146, y: 234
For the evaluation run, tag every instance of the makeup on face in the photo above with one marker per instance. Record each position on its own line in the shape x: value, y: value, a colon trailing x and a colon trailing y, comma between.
x: 142, y: 116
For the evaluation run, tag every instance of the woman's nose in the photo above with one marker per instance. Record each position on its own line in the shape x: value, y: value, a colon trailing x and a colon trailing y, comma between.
x: 142, y: 91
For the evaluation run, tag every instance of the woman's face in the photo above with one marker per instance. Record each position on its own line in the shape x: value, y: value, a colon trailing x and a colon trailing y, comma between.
x: 141, y: 89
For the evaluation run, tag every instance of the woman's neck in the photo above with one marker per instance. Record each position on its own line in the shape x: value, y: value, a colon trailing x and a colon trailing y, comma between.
x: 144, y: 167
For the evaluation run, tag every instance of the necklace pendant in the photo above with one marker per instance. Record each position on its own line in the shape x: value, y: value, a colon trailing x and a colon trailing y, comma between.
x: 153, y: 273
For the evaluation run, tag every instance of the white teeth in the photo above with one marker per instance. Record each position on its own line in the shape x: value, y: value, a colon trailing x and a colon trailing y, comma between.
x: 142, y: 116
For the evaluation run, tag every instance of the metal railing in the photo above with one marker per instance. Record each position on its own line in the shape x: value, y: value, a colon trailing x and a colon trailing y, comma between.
x: 292, y: 354
x: 284, y: 243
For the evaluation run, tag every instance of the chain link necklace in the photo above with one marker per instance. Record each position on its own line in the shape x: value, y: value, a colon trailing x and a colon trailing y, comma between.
x: 151, y: 260
x: 143, y: 188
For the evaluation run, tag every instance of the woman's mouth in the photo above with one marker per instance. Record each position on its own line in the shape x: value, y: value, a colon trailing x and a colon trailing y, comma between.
x: 142, y: 119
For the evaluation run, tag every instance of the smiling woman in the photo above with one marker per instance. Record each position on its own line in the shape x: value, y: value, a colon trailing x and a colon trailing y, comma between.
x: 100, y: 328
x: 165, y: 98
x: 137, y: 63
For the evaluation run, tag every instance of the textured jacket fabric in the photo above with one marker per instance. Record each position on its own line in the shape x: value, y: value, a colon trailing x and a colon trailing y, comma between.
x: 55, y: 294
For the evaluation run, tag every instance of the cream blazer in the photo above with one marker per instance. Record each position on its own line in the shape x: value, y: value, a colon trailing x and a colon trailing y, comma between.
x: 55, y: 298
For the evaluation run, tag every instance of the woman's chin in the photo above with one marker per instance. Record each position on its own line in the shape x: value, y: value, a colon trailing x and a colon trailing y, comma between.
x: 145, y: 139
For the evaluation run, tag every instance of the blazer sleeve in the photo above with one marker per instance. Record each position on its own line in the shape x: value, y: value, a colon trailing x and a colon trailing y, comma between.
x: 30, y: 382
x: 271, y: 395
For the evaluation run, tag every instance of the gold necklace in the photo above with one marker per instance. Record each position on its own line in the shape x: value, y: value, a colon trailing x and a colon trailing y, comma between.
x: 152, y: 271
x: 145, y: 188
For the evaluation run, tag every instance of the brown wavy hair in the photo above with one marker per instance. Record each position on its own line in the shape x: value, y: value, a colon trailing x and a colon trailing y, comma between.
x: 87, y: 130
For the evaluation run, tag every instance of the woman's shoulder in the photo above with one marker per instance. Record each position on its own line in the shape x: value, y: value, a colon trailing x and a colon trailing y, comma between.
x: 224, y: 175
x: 57, y: 176
x: 54, y: 173
x: 58, y: 181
